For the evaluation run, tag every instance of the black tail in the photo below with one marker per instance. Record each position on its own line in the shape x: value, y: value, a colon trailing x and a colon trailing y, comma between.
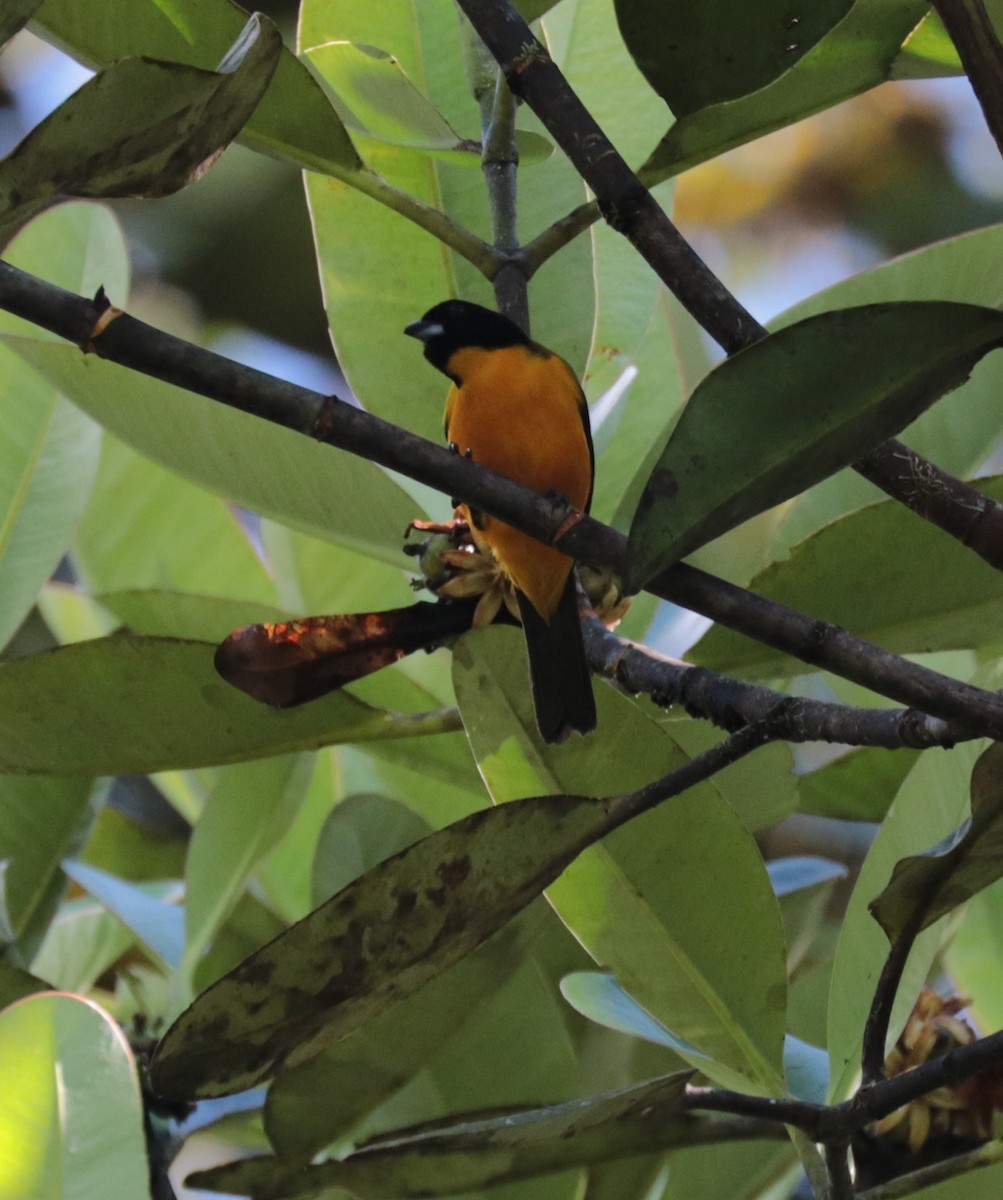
x: 558, y: 670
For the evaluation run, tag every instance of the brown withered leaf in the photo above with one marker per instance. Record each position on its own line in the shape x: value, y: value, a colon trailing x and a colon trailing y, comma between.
x: 291, y: 662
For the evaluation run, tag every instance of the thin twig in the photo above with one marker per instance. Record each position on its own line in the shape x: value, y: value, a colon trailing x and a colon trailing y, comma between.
x: 138, y: 346
x: 988, y: 1155
x: 837, y: 1161
x: 872, y: 1059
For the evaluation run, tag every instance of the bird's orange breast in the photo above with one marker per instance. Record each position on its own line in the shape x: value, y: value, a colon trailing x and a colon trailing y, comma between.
x: 519, y: 410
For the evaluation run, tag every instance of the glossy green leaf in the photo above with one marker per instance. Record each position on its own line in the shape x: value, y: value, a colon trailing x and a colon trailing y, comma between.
x: 133, y: 704
x: 858, y: 786
x: 49, y: 452
x: 42, y: 821
x: 925, y: 887
x: 389, y: 932
x: 475, y: 1153
x: 695, y: 57
x: 974, y: 957
x: 260, y: 466
x: 649, y: 893
x: 246, y: 813
x: 296, y: 122
x: 869, y: 573
x: 859, y: 53
x: 955, y: 435
x: 139, y: 128
x: 929, y: 806
x: 14, y: 15
x: 150, y: 911
x: 796, y: 407
x: 378, y: 1059
x: 65, y: 1052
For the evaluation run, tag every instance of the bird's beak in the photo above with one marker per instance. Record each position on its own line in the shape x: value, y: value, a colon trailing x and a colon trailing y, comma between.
x: 424, y: 330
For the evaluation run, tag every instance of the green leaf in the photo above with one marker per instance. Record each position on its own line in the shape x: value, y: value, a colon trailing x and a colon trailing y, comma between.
x: 15, y: 984
x: 954, y: 435
x: 927, y: 51
x: 296, y: 122
x: 471, y: 1153
x: 377, y: 100
x: 248, y: 810
x: 859, y: 53
x: 694, y: 57
x: 132, y: 704
x: 599, y: 998
x: 929, y: 805
x: 64, y: 1052
x: 14, y: 15
x: 251, y: 462
x: 156, y: 613
x: 146, y: 528
x: 926, y: 887
x: 649, y: 893
x: 858, y: 786
x: 49, y: 452
x: 80, y: 945
x: 796, y: 407
x: 384, y: 936
x: 869, y: 573
x: 42, y: 821
x: 139, y: 128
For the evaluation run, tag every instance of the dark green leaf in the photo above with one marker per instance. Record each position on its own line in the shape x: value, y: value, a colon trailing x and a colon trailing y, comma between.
x: 927, y: 886
x: 296, y: 122
x: 796, y: 407
x: 695, y: 55
x: 15, y: 984
x: 378, y: 1059
x: 471, y: 1153
x: 126, y: 704
x: 139, y: 128
x: 869, y: 572
x: 858, y: 54
x: 14, y: 15
x: 387, y: 934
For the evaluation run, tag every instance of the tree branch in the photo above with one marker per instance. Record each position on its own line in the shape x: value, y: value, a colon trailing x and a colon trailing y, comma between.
x: 972, y: 31
x: 730, y: 703
x: 138, y: 346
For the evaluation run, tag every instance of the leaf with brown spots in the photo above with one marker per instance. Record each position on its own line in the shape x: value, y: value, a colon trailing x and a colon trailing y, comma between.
x: 381, y: 938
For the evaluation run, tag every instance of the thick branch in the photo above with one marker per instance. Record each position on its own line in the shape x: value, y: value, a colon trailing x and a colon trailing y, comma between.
x: 142, y: 348
x: 730, y: 703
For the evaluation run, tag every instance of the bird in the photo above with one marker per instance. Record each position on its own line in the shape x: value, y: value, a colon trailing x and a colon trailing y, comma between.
x: 518, y: 408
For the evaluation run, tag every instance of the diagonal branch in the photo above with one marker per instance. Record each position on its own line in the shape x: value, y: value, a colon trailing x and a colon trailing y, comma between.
x: 140, y: 347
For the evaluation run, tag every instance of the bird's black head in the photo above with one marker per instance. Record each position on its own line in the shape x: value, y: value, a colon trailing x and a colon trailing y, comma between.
x: 455, y: 324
